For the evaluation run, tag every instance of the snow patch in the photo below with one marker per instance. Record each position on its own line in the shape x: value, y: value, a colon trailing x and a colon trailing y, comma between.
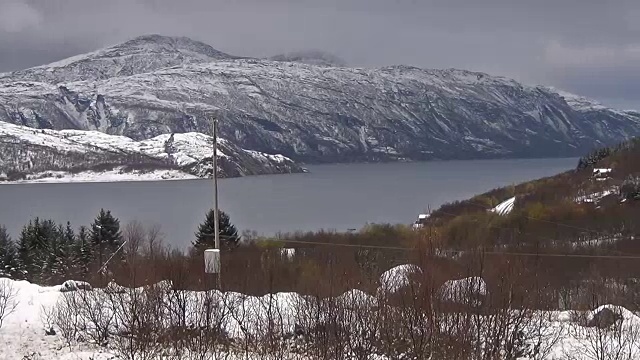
x: 466, y: 291
x: 505, y: 207
x: 596, y: 196
x: 396, y: 278
x: 117, y: 175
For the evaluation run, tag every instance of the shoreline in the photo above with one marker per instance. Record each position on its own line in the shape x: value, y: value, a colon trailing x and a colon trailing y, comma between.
x: 117, y: 176
x: 104, y: 177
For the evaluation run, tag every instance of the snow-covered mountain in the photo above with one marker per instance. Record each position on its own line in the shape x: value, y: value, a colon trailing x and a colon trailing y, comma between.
x: 156, y: 85
x: 140, y: 55
x: 29, y: 153
x: 311, y: 57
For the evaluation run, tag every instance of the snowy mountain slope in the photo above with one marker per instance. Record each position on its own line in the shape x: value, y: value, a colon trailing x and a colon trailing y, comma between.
x: 27, y: 151
x: 306, y: 112
x: 311, y: 57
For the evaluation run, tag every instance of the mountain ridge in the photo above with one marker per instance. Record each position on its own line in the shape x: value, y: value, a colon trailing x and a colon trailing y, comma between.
x: 306, y: 112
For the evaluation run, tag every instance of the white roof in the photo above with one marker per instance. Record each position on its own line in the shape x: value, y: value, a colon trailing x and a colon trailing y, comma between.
x: 602, y: 170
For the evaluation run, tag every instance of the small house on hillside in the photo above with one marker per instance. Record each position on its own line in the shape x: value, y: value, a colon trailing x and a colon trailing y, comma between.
x: 419, y: 224
x: 602, y: 173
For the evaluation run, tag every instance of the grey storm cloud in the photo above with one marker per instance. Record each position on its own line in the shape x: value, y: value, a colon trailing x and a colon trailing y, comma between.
x: 590, y: 47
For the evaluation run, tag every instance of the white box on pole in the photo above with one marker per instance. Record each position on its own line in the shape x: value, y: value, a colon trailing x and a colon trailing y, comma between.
x: 212, y: 261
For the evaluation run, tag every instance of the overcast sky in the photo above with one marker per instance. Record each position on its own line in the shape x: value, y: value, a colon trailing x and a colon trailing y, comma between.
x: 590, y: 47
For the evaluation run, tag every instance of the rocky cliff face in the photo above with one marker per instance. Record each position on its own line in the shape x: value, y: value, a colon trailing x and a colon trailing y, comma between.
x: 155, y: 85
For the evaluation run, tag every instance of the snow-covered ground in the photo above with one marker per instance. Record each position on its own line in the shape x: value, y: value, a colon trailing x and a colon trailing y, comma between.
x: 22, y: 334
x: 117, y: 175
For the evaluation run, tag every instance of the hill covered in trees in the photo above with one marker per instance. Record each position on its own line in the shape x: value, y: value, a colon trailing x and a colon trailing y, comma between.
x: 595, y: 206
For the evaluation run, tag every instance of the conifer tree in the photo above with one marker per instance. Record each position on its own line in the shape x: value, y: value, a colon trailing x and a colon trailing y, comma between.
x: 82, y: 251
x: 25, y: 247
x: 54, y: 268
x: 105, y: 237
x: 61, y: 257
x: 8, y: 255
x: 205, y: 238
x: 38, y: 249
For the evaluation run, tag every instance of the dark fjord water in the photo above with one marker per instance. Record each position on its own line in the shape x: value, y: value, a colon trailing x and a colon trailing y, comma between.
x: 336, y: 197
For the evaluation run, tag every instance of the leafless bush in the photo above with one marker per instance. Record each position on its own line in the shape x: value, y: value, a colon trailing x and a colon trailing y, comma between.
x: 96, y: 315
x: 8, y: 299
x: 359, y: 313
x: 67, y: 318
x: 541, y: 335
x: 320, y: 327
x: 47, y: 319
x: 614, y: 336
x: 138, y: 315
x: 82, y: 316
x: 204, y: 335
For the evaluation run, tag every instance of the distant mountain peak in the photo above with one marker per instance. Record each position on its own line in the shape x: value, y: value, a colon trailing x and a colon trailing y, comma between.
x: 311, y: 57
x: 139, y: 55
x: 170, y: 43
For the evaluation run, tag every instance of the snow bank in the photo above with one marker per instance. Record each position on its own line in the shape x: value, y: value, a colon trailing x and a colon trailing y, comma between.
x: 467, y: 291
x: 357, y: 298
x: 72, y: 285
x: 396, y: 278
x: 253, y: 316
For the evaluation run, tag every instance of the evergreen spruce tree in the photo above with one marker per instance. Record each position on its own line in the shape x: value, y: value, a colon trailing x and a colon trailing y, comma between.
x: 61, y: 257
x: 25, y: 256
x: 38, y: 241
x: 105, y: 237
x: 54, y: 268
x: 8, y: 255
x: 82, y: 252
x: 205, y: 238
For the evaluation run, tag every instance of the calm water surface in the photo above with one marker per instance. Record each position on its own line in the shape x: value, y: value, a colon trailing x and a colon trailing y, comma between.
x: 336, y: 197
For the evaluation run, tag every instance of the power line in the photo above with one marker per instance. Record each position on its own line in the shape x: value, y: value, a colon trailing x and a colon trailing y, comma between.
x: 504, y: 253
x: 341, y: 244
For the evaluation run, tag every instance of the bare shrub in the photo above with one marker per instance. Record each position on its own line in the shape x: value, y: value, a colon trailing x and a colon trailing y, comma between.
x: 138, y: 315
x: 204, y: 335
x: 47, y: 319
x: 95, y: 315
x: 542, y: 335
x: 8, y: 299
x: 617, y: 338
x: 67, y: 318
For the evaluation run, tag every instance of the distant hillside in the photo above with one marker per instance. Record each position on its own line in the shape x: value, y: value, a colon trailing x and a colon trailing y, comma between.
x: 597, y: 205
x: 29, y: 154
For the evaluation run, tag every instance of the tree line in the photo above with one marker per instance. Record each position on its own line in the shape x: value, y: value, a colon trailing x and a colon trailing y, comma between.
x: 47, y: 252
